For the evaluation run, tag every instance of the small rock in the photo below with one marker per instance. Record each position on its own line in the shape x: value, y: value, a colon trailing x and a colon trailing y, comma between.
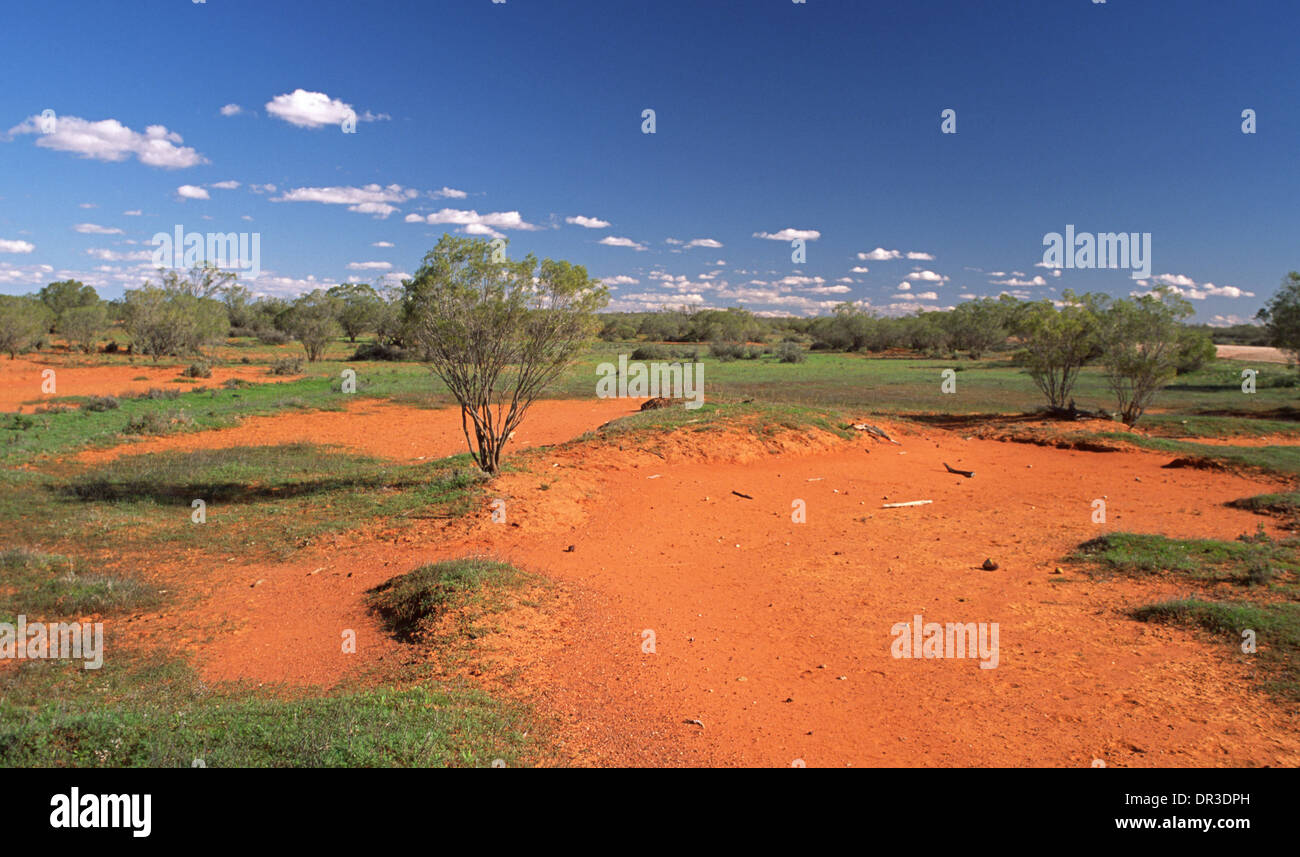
x: 990, y: 565
x: 258, y: 583
x: 1057, y: 571
x: 742, y: 678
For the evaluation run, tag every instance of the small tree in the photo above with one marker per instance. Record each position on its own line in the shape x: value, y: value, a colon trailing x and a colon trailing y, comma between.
x: 1140, y: 348
x: 82, y: 325
x: 64, y: 295
x: 173, y: 320
x: 1281, y: 316
x: 360, y: 309
x: 23, y: 321
x: 498, y: 331
x: 1056, y: 344
x: 312, y: 322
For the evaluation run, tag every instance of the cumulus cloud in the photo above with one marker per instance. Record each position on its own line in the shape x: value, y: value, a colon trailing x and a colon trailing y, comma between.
x: 382, y: 244
x: 370, y: 266
x: 880, y: 254
x: 620, y: 280
x: 231, y: 110
x: 860, y: 269
x: 790, y: 235
x: 927, y: 277
x: 307, y: 109
x: 110, y: 140
x: 1036, y: 281
x: 614, y: 241
x: 474, y: 223
x: 15, y: 246
x: 448, y: 193
x: 96, y: 229
x: 587, y: 222
x: 1183, y: 285
x: 135, y: 212
x: 371, y: 199
x: 189, y: 191
x: 226, y: 185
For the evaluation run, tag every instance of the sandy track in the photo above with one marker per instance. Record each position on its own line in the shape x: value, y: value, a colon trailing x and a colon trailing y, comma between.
x: 802, y: 613
x: 370, y: 427
x: 21, y: 379
x: 1254, y: 353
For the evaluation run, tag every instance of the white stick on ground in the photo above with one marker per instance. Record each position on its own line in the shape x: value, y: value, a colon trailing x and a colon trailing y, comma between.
x: 909, y: 503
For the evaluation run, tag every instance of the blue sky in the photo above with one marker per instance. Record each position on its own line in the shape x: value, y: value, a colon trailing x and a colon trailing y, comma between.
x: 772, y: 118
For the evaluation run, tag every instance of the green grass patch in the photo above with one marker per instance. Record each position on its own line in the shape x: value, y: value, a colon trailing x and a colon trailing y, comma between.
x: 1251, y: 561
x: 261, y: 502
x: 762, y: 418
x: 156, y: 713
x: 413, y: 603
x: 1276, y: 627
x: 44, y: 585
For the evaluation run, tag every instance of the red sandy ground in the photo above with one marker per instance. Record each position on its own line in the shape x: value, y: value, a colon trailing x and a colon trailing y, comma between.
x: 21, y: 379
x: 384, y: 430
x: 775, y: 636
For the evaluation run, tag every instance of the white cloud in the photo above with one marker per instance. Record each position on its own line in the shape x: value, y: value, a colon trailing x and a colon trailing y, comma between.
x: 448, y: 193
x: 115, y: 256
x: 133, y: 213
x: 1036, y: 281
x: 96, y: 229
x: 613, y: 241
x: 370, y: 266
x: 110, y: 140
x: 703, y: 242
x: 15, y: 246
x: 315, y: 110
x: 620, y: 280
x: 927, y: 277
x: 371, y: 199
x: 587, y: 222
x: 904, y: 287
x: 473, y: 221
x: 880, y: 254
x: 226, y: 185
x: 382, y: 244
x: 790, y: 235
x: 189, y: 191
x: 1175, y: 280
x: 231, y: 110
x: 860, y: 269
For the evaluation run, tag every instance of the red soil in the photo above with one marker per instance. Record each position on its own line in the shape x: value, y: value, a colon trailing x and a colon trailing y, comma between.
x: 384, y: 430
x: 775, y: 635
x: 21, y: 379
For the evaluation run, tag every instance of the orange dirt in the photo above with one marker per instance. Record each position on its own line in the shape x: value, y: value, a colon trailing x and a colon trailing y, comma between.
x: 21, y: 379
x: 384, y: 430
x: 776, y: 636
